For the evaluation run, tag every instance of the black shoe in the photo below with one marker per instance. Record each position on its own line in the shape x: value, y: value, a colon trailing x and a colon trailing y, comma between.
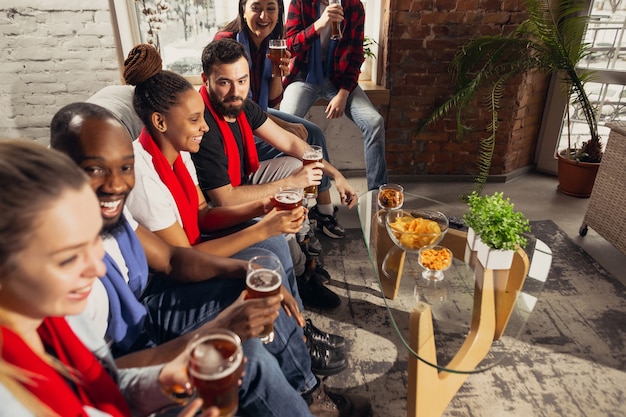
x: 325, y: 361
x: 327, y: 224
x: 315, y: 294
x: 321, y: 274
x: 324, y: 403
x: 311, y: 246
x: 332, y: 341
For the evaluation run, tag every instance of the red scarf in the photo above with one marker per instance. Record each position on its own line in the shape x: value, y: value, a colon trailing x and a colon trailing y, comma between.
x: 180, y: 184
x: 230, y: 145
x: 94, y: 386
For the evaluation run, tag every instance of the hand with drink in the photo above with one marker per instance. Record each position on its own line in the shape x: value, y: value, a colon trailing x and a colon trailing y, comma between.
x: 335, y: 25
x: 312, y: 154
x: 264, y: 279
x: 279, y: 57
x: 283, y: 221
x: 215, y: 367
x: 332, y: 15
x: 176, y: 384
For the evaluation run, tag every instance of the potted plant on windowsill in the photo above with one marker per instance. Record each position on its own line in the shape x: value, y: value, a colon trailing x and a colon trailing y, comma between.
x: 496, y: 230
x: 549, y: 41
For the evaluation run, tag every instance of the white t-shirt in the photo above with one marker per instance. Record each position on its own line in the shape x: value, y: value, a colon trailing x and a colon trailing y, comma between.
x: 151, y: 202
x: 98, y: 302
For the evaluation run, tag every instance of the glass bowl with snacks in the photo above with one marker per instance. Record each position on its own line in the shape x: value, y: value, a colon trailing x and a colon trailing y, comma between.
x: 411, y: 230
x: 434, y: 260
x: 390, y: 196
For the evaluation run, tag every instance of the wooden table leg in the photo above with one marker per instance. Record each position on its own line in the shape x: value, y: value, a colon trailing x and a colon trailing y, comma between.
x: 429, y: 390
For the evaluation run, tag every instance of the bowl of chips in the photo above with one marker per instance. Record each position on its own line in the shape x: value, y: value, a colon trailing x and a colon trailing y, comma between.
x: 411, y: 230
x: 434, y: 260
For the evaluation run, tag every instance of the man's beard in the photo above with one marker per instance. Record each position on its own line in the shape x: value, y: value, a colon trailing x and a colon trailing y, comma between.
x: 221, y: 108
x: 113, y: 228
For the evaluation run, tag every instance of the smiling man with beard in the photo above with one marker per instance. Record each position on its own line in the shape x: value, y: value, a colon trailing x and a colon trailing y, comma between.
x: 227, y: 164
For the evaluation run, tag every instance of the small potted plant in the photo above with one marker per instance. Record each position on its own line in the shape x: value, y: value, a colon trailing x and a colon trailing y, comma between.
x: 496, y: 230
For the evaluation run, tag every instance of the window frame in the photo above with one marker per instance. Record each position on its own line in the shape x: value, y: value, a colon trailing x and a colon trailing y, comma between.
x: 127, y: 33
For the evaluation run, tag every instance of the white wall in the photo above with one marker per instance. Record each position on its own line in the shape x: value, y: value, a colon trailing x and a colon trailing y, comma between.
x: 52, y: 53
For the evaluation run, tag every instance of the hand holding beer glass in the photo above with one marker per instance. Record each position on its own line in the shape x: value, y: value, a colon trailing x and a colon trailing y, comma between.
x: 288, y: 198
x: 312, y: 154
x: 335, y: 27
x: 215, y: 367
x: 278, y: 51
x: 264, y: 279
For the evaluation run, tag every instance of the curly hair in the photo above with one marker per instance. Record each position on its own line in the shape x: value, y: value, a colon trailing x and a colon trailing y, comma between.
x: 156, y: 90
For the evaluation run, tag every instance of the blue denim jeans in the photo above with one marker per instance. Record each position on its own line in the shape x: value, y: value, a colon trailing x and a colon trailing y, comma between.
x: 315, y: 137
x: 298, y: 98
x: 277, y: 373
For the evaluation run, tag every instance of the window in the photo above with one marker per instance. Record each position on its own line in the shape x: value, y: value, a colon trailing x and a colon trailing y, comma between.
x: 181, y: 28
x: 606, y: 35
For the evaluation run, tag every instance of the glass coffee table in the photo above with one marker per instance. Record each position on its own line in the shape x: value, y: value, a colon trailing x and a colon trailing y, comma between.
x: 463, y: 324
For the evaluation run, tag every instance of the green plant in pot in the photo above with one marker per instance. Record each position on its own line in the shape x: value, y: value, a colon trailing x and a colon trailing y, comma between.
x: 493, y: 222
x: 549, y: 41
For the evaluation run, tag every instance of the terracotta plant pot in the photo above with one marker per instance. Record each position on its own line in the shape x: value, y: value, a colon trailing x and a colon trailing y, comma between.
x: 576, y: 178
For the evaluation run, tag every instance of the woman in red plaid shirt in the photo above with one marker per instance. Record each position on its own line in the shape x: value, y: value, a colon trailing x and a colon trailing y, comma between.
x: 321, y: 67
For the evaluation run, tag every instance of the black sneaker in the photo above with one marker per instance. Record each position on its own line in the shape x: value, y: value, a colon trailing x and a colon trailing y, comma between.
x: 311, y: 246
x: 325, y: 361
x: 333, y: 341
x: 327, y: 224
x: 313, y: 293
x: 324, y: 403
x: 321, y: 274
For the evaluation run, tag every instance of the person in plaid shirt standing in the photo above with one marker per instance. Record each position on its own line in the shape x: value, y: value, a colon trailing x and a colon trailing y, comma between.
x: 321, y: 67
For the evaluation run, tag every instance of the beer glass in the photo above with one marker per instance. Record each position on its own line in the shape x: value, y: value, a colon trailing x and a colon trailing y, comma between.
x: 335, y: 27
x: 264, y: 279
x: 313, y: 153
x: 215, y: 366
x: 278, y: 50
x: 288, y: 198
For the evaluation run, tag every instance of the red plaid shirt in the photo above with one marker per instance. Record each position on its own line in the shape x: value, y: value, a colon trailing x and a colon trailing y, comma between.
x: 349, y: 52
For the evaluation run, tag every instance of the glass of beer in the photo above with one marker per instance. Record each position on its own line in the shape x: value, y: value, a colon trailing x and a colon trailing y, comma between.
x: 288, y: 198
x: 215, y: 367
x: 313, y: 153
x: 335, y: 27
x: 278, y: 50
x: 264, y: 279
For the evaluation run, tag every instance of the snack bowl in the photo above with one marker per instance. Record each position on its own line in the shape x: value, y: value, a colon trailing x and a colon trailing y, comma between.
x: 412, y: 230
x: 390, y: 196
x: 434, y: 260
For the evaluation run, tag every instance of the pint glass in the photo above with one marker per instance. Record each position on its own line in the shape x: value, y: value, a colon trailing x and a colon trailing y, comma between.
x: 288, y: 198
x: 278, y: 50
x: 264, y: 279
x: 335, y: 27
x: 312, y: 154
x: 215, y: 367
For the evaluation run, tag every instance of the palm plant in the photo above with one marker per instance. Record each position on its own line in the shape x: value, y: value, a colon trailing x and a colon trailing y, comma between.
x: 550, y: 41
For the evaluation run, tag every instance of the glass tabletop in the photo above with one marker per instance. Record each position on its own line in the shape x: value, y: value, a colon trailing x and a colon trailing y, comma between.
x: 453, y: 300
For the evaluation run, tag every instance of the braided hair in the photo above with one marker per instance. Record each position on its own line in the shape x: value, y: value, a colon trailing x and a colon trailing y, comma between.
x: 156, y: 90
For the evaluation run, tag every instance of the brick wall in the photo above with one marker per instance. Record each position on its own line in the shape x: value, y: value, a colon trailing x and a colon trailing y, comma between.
x: 52, y: 53
x: 423, y: 38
